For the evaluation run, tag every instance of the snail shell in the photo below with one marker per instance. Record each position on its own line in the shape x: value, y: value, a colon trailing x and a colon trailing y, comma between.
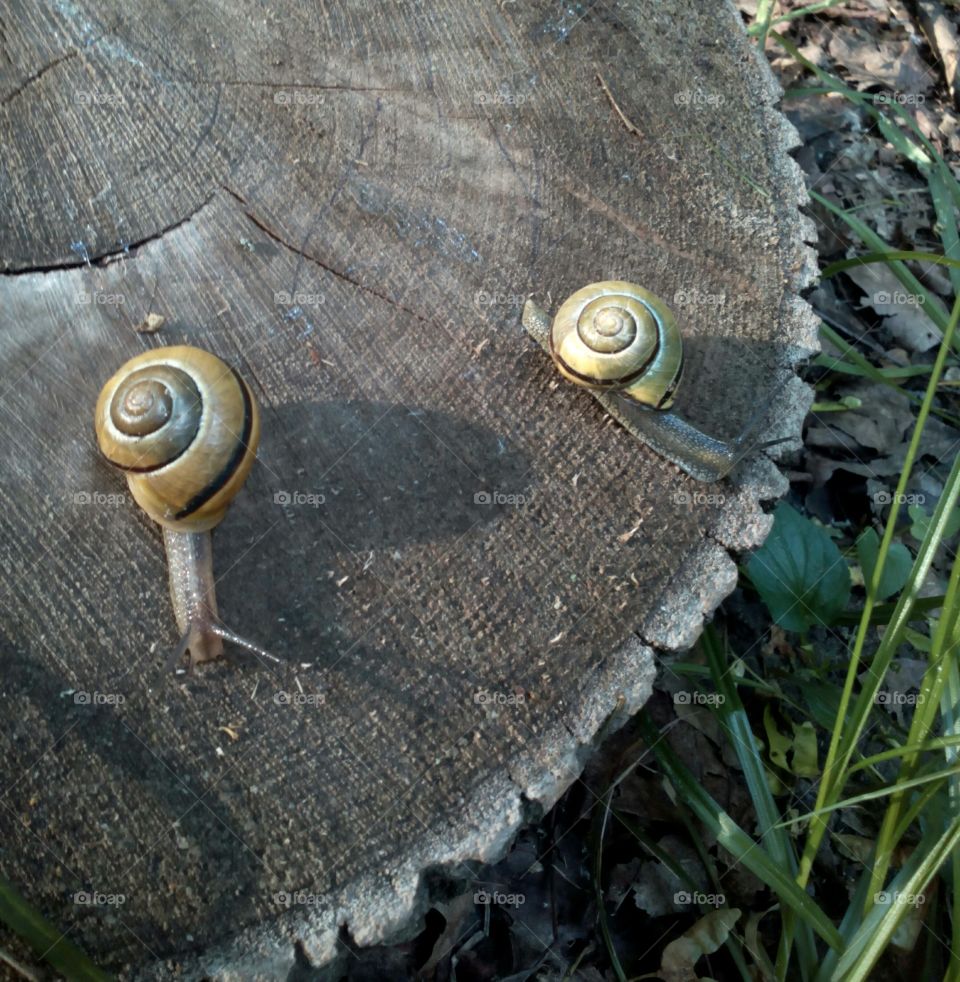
x: 616, y: 335
x: 184, y: 427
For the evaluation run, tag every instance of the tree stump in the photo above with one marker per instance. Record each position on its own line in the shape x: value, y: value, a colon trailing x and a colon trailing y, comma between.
x: 465, y: 566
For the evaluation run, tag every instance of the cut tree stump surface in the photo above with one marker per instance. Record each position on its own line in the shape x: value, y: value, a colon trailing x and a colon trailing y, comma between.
x: 350, y: 203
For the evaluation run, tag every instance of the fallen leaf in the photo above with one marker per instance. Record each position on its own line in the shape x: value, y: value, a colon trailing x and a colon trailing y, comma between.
x: 894, y: 63
x: 883, y: 418
x: 679, y: 959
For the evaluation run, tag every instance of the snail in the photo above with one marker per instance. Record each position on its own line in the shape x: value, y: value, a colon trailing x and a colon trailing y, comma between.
x: 184, y: 428
x: 622, y: 343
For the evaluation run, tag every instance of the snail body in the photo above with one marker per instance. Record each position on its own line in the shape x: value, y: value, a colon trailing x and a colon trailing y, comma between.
x: 183, y: 427
x: 622, y: 343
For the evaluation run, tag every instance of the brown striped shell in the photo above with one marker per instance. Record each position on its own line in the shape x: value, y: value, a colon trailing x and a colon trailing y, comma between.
x: 616, y: 335
x: 184, y: 428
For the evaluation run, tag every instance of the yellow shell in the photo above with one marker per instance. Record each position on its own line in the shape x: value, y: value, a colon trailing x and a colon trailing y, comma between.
x: 184, y: 428
x: 616, y: 335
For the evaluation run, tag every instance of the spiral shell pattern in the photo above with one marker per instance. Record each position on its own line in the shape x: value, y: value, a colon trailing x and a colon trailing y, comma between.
x: 616, y: 335
x: 184, y: 428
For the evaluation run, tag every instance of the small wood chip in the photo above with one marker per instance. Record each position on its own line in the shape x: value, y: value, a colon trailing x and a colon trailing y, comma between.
x: 150, y: 324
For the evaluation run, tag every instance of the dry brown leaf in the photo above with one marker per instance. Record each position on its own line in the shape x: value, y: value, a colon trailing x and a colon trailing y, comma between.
x: 942, y: 37
x: 904, y: 314
x: 895, y: 64
x: 884, y: 416
x: 679, y: 959
x: 656, y: 889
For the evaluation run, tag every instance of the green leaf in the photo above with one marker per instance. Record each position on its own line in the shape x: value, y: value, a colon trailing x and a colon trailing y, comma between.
x: 805, y: 750
x: 822, y: 700
x: 921, y: 522
x: 895, y: 570
x: 779, y: 742
x: 799, y: 572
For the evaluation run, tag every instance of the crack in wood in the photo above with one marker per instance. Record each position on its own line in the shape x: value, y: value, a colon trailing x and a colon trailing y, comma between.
x: 104, y: 259
x: 37, y: 75
x: 280, y: 240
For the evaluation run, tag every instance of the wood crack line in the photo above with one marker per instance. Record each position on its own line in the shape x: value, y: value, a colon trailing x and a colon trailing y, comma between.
x: 107, y: 258
x: 280, y: 240
x: 37, y: 75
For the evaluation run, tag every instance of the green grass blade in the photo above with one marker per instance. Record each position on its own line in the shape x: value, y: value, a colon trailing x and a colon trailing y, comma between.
x: 813, y: 8
x: 47, y: 941
x: 910, y: 282
x: 733, y: 839
x: 946, y: 211
x: 889, y: 256
x: 761, y: 26
x: 776, y: 841
x: 883, y: 613
x: 950, y: 713
x: 938, y: 777
x: 878, y: 927
x: 928, y: 746
x: 862, y: 367
x: 844, y: 739
x: 923, y: 722
x: 599, y: 827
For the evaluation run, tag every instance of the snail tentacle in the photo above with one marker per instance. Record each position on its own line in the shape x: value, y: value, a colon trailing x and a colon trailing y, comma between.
x: 537, y: 322
x: 236, y: 639
x: 193, y: 594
